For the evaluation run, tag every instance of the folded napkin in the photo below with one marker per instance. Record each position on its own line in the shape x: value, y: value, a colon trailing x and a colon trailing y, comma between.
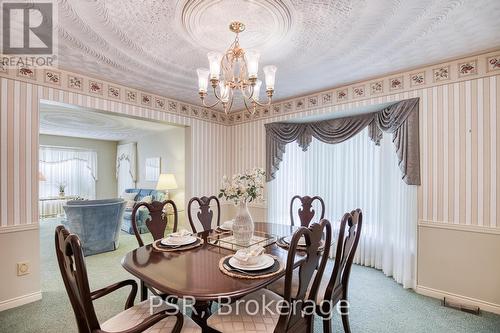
x: 180, y: 233
x: 249, y: 256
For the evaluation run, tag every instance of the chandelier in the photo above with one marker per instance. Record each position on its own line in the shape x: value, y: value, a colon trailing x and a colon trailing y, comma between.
x: 236, y: 70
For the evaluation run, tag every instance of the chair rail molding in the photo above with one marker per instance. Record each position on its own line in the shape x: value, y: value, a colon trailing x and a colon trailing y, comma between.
x: 458, y: 227
x: 19, y: 228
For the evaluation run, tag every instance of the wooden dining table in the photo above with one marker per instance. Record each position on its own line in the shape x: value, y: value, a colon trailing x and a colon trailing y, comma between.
x: 195, y: 273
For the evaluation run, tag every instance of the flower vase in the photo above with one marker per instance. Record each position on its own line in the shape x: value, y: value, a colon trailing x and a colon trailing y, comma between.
x: 243, y: 226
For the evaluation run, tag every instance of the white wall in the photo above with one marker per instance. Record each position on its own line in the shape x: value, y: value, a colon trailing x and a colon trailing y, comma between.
x: 169, y: 145
x: 19, y: 245
x: 106, y: 160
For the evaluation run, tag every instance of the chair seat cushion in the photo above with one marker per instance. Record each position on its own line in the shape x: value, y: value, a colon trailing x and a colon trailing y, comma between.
x: 237, y: 317
x: 279, y: 285
x: 139, y: 312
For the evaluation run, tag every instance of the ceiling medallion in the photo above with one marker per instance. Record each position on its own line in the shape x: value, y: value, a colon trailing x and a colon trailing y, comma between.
x: 234, y: 71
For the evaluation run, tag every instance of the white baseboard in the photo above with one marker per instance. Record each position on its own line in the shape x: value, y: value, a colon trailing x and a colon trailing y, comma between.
x: 440, y: 294
x: 21, y: 300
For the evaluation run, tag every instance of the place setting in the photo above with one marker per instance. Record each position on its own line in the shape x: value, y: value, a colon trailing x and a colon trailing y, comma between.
x: 226, y: 226
x: 284, y: 242
x: 250, y: 263
x: 178, y: 241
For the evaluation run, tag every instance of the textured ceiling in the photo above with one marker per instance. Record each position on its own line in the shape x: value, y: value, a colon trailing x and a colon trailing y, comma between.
x: 318, y: 44
x: 69, y: 120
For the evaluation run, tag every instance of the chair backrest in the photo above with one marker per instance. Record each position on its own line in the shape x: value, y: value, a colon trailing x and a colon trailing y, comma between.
x: 305, y: 212
x: 346, y: 249
x: 205, y: 214
x: 157, y: 221
x: 314, y: 259
x: 72, y: 266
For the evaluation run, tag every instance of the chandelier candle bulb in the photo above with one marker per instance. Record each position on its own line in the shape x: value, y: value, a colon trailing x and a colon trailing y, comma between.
x: 224, y: 92
x: 203, y: 74
x: 252, y: 58
x: 214, y: 59
x: 270, y: 73
x: 256, y: 90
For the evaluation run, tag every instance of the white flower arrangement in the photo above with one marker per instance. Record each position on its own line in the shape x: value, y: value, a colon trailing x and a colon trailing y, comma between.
x: 244, y: 187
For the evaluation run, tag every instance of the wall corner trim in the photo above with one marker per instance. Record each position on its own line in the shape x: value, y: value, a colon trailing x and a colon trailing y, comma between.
x: 440, y: 294
x: 458, y: 227
x: 21, y: 300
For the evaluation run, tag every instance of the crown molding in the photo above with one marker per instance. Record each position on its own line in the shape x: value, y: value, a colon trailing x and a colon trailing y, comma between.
x: 453, y: 71
x: 457, y: 70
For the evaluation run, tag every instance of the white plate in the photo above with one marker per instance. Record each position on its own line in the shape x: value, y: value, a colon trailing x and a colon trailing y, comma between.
x: 266, y: 262
x: 227, y: 227
x: 302, y: 240
x: 175, y: 241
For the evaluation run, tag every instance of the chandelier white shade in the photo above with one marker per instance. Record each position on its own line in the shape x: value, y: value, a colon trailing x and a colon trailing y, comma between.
x: 235, y: 70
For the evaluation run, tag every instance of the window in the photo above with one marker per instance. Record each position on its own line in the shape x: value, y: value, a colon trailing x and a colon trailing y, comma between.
x: 349, y: 175
x: 73, y: 169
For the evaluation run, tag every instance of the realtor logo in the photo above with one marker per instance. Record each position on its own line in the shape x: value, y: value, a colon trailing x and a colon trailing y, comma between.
x: 28, y: 29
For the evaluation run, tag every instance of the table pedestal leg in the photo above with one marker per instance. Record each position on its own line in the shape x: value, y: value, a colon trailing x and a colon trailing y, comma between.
x: 201, y: 312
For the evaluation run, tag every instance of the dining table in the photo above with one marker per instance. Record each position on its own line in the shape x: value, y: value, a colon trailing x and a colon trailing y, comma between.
x: 195, y: 273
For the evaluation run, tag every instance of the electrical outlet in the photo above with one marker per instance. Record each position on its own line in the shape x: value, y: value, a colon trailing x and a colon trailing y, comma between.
x: 23, y: 268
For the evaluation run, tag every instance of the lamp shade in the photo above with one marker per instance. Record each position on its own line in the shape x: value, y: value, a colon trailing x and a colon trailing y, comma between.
x: 166, y: 182
x: 270, y: 72
x: 252, y: 58
x: 202, y: 79
x: 214, y: 59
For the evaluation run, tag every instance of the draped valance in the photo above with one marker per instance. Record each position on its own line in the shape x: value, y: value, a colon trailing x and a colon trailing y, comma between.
x: 127, y: 152
x: 60, y: 155
x: 400, y: 119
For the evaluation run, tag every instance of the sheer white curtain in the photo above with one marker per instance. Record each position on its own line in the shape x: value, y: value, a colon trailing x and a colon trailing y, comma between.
x: 74, y: 168
x: 355, y: 174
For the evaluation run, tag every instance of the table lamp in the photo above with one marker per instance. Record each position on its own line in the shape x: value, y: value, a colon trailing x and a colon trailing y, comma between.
x: 166, y: 182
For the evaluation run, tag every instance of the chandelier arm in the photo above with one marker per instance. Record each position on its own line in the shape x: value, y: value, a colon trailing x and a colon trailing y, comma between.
x: 231, y: 104
x: 210, y: 106
x: 248, y: 109
x: 268, y: 103
x: 243, y: 92
x: 215, y: 93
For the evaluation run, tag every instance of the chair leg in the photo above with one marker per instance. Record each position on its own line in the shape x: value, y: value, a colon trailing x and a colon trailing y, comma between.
x: 144, y: 291
x: 345, y: 319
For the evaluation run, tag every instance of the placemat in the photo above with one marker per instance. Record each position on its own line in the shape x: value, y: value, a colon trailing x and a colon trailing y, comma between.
x: 281, y: 243
x: 157, y: 246
x: 265, y: 273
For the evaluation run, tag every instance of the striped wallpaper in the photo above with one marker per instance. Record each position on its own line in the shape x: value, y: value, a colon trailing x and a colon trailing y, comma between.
x: 19, y: 100
x: 459, y: 149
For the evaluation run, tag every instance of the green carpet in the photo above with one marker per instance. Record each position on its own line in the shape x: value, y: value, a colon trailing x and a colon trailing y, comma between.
x: 378, y: 304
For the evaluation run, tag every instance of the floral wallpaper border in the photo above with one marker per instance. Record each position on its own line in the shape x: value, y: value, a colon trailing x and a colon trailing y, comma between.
x: 480, y: 65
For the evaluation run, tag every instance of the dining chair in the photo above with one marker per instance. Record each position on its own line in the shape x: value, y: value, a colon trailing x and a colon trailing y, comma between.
x: 335, y: 279
x: 333, y: 288
x: 205, y: 214
x: 241, y: 315
x: 156, y: 223
x: 135, y: 318
x: 306, y: 212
